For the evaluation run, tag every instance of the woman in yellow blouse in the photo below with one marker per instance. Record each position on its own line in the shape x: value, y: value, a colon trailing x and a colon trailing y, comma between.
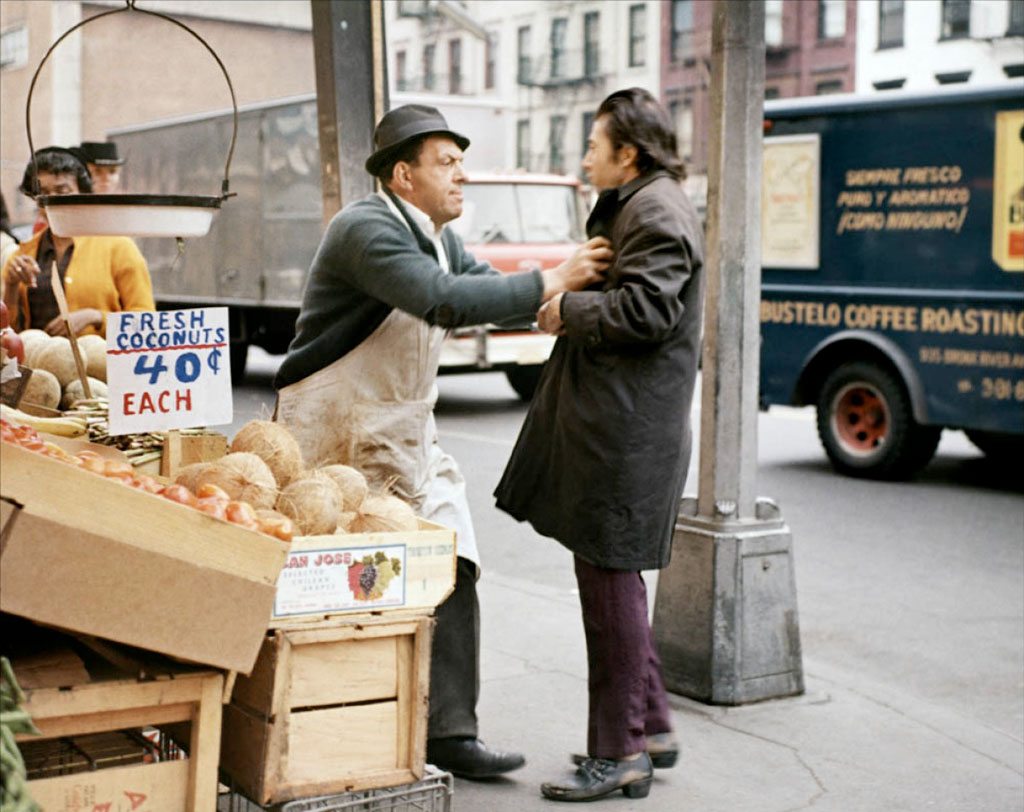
x: 100, y: 274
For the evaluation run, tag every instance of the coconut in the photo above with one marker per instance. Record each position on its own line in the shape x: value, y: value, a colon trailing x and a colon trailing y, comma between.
x: 345, y: 519
x: 384, y: 514
x: 275, y: 445
x: 34, y: 341
x: 313, y: 503
x: 43, y: 390
x: 74, y: 391
x: 244, y: 477
x: 94, y: 348
x: 352, y: 483
x: 57, y: 357
x: 189, y: 475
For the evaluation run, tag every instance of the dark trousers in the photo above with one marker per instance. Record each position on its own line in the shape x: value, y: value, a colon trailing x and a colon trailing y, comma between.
x: 627, y: 695
x: 455, y: 659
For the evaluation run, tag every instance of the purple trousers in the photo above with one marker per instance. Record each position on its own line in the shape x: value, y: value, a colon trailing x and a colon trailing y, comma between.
x: 627, y: 694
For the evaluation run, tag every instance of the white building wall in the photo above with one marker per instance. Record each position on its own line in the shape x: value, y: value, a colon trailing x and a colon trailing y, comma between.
x: 925, y: 54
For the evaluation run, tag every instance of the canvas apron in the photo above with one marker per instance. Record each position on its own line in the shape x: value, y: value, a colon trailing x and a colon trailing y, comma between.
x: 373, y: 409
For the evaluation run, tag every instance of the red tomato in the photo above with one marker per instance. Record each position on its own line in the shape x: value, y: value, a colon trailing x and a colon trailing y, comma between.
x: 211, y: 491
x: 213, y: 507
x: 88, y: 454
x: 117, y: 469
x: 242, y: 513
x: 278, y: 527
x: 179, y: 494
x: 146, y: 483
x: 92, y: 463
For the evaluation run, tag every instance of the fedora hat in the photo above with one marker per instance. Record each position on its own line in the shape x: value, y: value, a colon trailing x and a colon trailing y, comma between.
x: 101, y: 153
x: 401, y: 125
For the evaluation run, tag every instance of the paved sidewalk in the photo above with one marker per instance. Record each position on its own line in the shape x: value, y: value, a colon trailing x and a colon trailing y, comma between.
x: 847, y: 745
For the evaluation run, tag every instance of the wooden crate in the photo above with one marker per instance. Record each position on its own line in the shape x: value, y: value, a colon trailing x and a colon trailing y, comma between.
x: 85, y: 553
x: 331, y: 707
x: 170, y: 786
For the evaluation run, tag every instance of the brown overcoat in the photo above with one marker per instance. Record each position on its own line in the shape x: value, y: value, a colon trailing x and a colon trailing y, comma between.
x: 601, y: 459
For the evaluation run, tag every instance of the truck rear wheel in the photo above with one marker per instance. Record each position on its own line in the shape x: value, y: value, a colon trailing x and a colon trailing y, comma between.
x: 524, y: 379
x: 866, y: 425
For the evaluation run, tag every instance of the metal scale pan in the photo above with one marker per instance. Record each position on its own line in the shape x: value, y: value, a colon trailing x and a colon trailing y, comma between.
x: 131, y: 215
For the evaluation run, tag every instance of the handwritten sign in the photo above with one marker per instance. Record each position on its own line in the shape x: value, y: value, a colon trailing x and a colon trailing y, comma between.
x: 168, y: 370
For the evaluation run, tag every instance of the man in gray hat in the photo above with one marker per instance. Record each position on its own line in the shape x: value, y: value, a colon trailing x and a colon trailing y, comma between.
x: 358, y: 386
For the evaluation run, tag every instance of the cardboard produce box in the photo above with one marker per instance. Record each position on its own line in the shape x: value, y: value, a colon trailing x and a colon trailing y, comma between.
x: 331, y: 707
x: 88, y: 554
x: 362, y: 572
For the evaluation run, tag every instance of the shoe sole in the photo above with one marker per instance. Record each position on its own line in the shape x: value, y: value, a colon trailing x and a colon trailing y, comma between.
x: 634, y: 789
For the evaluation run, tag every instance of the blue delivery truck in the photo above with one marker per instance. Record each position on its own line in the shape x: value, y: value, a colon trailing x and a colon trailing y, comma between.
x: 893, y: 272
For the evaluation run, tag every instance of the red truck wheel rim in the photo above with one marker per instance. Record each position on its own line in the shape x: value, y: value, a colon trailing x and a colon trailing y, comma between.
x: 860, y: 419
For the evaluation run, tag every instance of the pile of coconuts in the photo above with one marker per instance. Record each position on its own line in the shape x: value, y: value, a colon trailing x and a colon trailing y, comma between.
x: 264, y: 467
x: 54, y: 383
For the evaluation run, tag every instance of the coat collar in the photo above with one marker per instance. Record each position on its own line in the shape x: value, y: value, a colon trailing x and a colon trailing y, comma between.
x: 599, y: 224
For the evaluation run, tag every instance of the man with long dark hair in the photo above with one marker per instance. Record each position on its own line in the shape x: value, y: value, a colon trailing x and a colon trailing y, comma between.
x: 602, y: 457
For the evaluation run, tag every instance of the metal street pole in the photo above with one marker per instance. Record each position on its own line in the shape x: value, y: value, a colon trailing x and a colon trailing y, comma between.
x: 351, y: 94
x: 725, y: 617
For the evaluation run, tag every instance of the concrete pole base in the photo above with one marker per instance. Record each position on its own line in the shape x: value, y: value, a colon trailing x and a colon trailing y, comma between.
x: 725, y: 616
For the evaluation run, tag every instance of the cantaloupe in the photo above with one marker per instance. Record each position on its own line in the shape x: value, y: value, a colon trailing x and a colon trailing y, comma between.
x: 94, y: 349
x: 74, y: 391
x: 43, y: 390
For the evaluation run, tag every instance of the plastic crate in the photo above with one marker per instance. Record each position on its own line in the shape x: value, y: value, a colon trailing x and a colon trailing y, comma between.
x: 432, y: 793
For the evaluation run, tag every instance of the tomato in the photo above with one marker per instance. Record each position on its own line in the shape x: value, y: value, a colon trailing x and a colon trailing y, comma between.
x: 242, y: 513
x: 279, y: 527
x: 117, y: 469
x: 211, y: 491
x: 88, y: 454
x: 147, y: 484
x: 92, y: 463
x: 180, y: 494
x: 213, y: 507
x: 33, y: 443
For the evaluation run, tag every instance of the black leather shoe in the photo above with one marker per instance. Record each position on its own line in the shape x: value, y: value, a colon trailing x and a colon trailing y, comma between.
x: 661, y: 747
x: 597, y: 777
x: 470, y: 758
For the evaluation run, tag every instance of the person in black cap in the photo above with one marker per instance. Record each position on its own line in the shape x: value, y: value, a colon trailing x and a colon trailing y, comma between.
x: 358, y: 385
x: 104, y: 165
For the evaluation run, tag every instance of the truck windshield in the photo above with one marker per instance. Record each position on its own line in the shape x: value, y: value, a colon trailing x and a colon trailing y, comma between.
x: 519, y: 212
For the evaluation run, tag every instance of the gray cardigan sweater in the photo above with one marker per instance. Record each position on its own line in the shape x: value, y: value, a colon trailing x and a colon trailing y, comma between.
x: 369, y: 263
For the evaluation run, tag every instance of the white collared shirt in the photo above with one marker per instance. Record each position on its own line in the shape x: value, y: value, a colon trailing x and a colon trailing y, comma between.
x: 425, y: 224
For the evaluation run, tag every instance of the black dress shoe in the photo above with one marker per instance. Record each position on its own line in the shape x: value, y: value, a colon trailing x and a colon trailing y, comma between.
x: 661, y: 747
x: 597, y: 777
x: 467, y: 757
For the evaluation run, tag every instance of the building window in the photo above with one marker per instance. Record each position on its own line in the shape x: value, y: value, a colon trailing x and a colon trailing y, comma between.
x: 771, y: 93
x: 889, y: 84
x: 523, y: 52
x: 954, y: 78
x: 682, y: 29
x: 588, y: 125
x: 637, y: 36
x: 490, y: 60
x: 400, y: 80
x: 523, y: 143
x: 682, y: 120
x: 428, y: 67
x: 455, y: 66
x: 592, y: 43
x: 890, y: 24
x: 14, y: 47
x: 1015, y: 25
x: 829, y: 87
x: 773, y: 23
x: 831, y: 19
x: 558, y: 55
x: 956, y: 19
x: 556, y: 144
